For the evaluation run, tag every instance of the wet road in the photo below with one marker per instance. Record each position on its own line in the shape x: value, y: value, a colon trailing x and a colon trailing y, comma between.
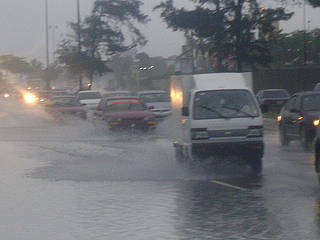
x: 76, y: 181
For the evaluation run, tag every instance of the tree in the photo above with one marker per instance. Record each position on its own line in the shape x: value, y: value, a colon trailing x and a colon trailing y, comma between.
x: 225, y: 27
x: 314, y: 3
x: 14, y: 64
x: 110, y: 29
x: 296, y: 47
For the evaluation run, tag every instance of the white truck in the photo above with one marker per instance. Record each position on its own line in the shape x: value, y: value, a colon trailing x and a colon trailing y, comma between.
x: 216, y: 114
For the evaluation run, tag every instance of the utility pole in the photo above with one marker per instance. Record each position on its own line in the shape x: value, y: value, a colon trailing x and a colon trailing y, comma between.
x: 47, y: 45
x: 53, y: 28
x: 79, y: 40
x: 304, y: 33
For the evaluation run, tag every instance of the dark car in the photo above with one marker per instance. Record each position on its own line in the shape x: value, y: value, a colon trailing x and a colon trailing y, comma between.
x: 296, y: 119
x: 44, y: 95
x: 316, y: 87
x: 126, y: 113
x: 65, y: 106
x: 269, y: 98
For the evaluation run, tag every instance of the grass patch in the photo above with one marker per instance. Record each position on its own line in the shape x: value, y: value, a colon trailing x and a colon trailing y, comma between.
x: 271, y: 115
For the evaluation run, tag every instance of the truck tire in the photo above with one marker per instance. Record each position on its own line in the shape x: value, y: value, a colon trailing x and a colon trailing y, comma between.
x: 256, y: 165
x: 255, y: 161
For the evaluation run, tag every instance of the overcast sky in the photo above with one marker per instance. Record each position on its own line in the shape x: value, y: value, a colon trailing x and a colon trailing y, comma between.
x: 22, y: 26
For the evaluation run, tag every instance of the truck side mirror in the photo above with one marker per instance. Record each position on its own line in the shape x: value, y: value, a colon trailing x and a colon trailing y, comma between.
x: 185, y: 111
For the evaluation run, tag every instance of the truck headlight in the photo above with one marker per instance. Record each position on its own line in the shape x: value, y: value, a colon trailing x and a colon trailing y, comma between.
x: 196, y: 135
x: 316, y: 122
x: 255, y: 132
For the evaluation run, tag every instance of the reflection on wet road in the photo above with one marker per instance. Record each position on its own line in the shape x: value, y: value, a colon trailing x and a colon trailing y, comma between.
x: 77, y: 181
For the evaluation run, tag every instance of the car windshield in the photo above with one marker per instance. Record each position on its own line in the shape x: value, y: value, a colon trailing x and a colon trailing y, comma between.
x: 120, y: 93
x: 155, y: 97
x: 124, y: 105
x: 317, y: 87
x: 275, y: 94
x: 68, y: 101
x: 224, y: 104
x: 89, y: 95
x: 311, y: 103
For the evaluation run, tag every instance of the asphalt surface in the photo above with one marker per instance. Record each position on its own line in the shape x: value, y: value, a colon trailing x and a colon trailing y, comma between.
x: 75, y: 180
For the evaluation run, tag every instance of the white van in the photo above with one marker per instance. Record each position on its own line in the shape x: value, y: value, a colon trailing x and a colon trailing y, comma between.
x: 216, y: 114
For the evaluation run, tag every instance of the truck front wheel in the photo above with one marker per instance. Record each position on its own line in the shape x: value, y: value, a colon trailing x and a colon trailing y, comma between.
x: 255, y: 161
x: 256, y: 165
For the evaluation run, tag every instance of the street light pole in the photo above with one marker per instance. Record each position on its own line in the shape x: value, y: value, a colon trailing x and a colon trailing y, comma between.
x: 54, y: 28
x: 304, y: 33
x: 79, y: 40
x: 47, y: 44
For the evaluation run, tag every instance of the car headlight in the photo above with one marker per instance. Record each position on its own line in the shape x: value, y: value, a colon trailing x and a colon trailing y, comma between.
x: 316, y: 122
x: 149, y: 118
x: 30, y: 98
x: 255, y: 132
x: 114, y: 121
x: 196, y: 135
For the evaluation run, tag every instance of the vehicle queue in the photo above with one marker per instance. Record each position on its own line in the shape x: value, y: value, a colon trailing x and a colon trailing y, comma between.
x: 298, y: 119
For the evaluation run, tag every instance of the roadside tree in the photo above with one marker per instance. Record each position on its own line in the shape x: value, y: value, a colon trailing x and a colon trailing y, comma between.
x: 111, y: 28
x: 226, y: 28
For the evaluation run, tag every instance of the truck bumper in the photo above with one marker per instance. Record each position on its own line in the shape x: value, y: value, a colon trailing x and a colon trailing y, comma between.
x: 243, y: 149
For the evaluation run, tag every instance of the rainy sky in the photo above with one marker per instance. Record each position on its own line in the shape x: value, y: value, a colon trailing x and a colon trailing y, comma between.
x: 22, y: 25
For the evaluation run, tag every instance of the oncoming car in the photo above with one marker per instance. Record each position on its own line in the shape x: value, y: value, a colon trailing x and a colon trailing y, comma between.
x: 125, y: 113
x: 296, y: 119
x: 66, y: 106
x: 272, y: 98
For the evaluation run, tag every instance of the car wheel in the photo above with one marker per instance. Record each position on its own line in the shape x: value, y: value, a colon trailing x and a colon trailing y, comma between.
x: 305, y: 138
x: 284, y: 140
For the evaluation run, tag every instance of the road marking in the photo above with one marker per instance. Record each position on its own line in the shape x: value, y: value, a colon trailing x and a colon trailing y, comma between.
x: 229, y: 185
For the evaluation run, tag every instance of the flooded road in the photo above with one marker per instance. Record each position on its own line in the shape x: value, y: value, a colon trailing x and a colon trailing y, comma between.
x: 77, y: 181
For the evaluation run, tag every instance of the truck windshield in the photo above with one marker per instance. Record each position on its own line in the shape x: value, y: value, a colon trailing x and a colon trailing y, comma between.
x: 224, y: 104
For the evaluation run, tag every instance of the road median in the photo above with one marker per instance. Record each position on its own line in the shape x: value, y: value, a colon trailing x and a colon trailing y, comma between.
x: 270, y: 124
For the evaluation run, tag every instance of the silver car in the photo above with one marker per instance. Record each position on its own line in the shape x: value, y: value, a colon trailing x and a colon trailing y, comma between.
x: 158, y: 101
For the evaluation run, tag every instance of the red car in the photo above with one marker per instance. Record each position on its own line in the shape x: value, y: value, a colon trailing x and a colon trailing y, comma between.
x: 128, y: 113
x: 66, y: 106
